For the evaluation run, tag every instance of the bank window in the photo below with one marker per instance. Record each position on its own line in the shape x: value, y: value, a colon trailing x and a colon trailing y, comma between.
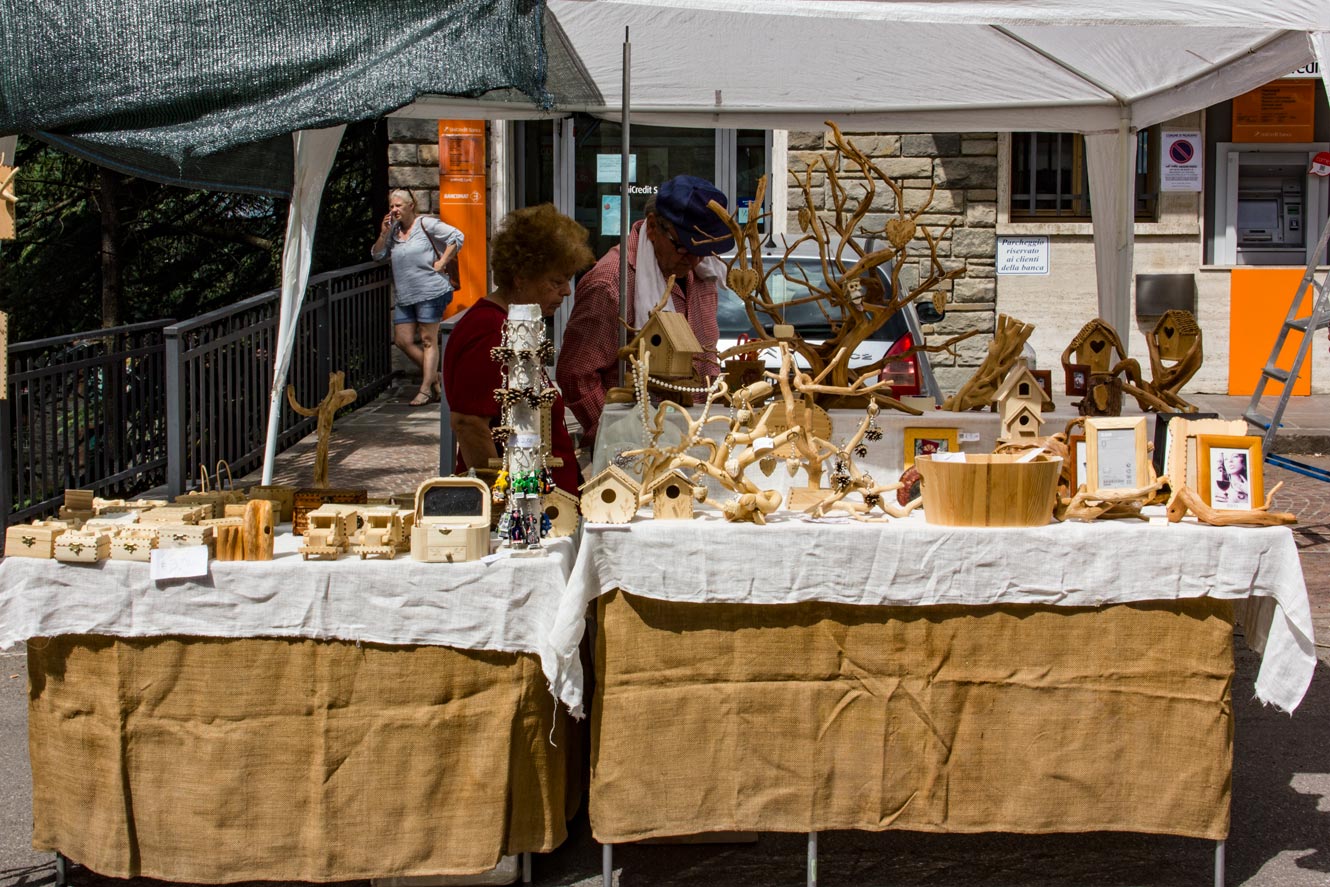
x: 1049, y: 178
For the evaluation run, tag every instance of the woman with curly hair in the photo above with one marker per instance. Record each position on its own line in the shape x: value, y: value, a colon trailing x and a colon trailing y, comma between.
x: 534, y: 254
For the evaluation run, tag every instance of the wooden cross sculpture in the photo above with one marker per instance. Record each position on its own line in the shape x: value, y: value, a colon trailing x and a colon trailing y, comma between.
x: 336, y: 398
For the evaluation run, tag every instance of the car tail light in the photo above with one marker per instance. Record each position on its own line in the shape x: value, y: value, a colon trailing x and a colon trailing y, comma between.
x: 901, y: 371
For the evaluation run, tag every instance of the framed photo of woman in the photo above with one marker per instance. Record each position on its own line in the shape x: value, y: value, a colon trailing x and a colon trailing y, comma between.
x: 1229, y: 471
x: 1116, y: 457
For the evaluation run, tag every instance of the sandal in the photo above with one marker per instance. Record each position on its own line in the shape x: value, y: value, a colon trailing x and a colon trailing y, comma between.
x: 422, y: 398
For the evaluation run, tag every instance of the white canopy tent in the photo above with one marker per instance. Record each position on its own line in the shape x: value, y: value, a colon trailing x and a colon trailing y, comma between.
x: 877, y: 65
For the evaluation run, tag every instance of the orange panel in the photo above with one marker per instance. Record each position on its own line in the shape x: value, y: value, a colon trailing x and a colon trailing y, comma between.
x: 463, y: 187
x: 1259, y: 299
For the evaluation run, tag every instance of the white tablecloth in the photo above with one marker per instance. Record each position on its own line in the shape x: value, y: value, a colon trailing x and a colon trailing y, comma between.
x: 910, y: 562
x: 506, y: 604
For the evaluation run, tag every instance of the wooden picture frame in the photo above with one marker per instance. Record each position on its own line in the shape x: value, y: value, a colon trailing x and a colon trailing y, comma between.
x: 1045, y: 378
x: 1180, y: 456
x: 1229, y: 471
x: 1116, y: 457
x: 1077, y: 379
x: 924, y: 441
x: 1163, y: 439
x: 1076, y: 452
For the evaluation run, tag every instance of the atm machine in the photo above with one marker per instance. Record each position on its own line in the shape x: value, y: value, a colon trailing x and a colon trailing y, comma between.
x: 1269, y: 210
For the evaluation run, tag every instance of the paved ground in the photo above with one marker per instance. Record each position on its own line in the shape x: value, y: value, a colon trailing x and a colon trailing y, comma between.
x: 1281, y: 778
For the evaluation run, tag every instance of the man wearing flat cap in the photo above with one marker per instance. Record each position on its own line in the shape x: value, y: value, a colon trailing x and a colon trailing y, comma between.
x: 680, y: 236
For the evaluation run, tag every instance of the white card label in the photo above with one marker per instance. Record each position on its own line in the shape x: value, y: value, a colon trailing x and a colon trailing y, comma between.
x: 527, y: 441
x: 179, y: 563
x: 948, y: 457
x: 968, y: 437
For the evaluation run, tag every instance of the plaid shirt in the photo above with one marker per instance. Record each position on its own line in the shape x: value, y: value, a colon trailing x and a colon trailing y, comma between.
x: 587, y: 361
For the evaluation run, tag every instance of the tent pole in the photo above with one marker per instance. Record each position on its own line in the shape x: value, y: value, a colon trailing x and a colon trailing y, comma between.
x: 314, y: 153
x: 625, y: 218
x: 1126, y: 231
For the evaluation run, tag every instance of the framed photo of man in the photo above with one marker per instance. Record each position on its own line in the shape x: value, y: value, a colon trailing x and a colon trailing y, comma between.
x: 1230, y: 471
x: 1116, y: 457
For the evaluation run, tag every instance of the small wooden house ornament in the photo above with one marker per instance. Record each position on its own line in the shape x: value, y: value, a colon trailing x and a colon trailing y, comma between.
x: 561, y: 509
x: 610, y: 497
x: 1097, y: 346
x: 671, y: 344
x: 1021, y: 402
x: 671, y: 496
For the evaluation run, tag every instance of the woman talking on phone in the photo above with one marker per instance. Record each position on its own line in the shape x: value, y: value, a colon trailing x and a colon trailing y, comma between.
x: 421, y: 248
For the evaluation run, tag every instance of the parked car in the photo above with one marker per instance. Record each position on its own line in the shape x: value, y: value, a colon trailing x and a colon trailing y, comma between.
x: 910, y: 374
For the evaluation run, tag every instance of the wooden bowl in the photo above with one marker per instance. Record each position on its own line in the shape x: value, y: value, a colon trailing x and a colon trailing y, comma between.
x: 990, y: 490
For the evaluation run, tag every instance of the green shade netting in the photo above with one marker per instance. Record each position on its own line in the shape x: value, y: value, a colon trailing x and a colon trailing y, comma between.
x: 205, y: 93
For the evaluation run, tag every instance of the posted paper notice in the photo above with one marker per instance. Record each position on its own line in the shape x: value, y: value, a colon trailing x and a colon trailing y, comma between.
x: 1022, y: 255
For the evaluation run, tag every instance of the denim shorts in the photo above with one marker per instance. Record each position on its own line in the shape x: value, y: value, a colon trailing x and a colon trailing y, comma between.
x: 428, y: 311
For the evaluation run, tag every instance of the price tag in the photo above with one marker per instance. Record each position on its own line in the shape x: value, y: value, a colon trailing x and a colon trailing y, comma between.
x: 763, y: 444
x: 967, y: 437
x: 948, y: 457
x: 179, y: 563
x: 527, y: 441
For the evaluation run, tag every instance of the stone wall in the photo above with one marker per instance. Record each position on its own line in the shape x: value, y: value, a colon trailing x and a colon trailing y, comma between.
x: 413, y: 160
x: 963, y: 166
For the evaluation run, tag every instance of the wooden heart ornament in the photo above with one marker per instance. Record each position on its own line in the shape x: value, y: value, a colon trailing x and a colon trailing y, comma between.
x: 743, y: 281
x: 900, y: 232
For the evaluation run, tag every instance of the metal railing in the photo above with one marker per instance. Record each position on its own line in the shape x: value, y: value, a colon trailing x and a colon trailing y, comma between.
x: 217, y: 399
x: 84, y: 411
x: 121, y: 411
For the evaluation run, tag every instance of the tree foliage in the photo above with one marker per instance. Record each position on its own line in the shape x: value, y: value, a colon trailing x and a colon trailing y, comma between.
x: 181, y: 252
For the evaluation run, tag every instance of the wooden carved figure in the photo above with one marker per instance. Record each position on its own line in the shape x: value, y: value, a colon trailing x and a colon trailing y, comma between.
x: 672, y: 496
x: 325, y: 535
x: 610, y: 497
x: 1021, y: 402
x: 561, y: 509
x: 336, y: 398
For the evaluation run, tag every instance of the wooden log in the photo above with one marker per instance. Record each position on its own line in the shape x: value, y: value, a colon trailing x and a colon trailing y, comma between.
x: 230, y: 542
x: 258, y: 530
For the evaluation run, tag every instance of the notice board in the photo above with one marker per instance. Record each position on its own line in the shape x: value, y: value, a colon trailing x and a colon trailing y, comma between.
x: 1283, y: 111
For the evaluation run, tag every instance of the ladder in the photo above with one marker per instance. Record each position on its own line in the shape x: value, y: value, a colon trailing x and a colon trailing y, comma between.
x: 1306, y: 327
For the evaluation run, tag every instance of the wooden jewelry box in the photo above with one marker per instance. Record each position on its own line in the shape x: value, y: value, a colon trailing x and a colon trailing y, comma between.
x: 185, y: 535
x: 452, y: 520
x: 36, y: 539
x: 83, y: 546
x: 133, y: 544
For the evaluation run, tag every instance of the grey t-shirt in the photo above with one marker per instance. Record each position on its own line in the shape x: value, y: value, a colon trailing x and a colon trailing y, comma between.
x: 413, y: 260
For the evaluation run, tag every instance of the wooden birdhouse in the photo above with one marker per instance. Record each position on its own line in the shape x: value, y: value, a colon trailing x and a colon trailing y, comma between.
x: 1095, y: 345
x: 1024, y: 422
x: 672, y: 496
x: 561, y: 509
x: 610, y: 497
x: 1176, y: 334
x: 1021, y: 401
x: 671, y: 344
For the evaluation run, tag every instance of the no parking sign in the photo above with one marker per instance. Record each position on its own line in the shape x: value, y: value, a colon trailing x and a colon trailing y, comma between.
x: 1180, y: 166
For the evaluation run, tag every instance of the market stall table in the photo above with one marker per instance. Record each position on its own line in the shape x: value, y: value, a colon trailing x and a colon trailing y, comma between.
x: 819, y: 675
x: 291, y: 720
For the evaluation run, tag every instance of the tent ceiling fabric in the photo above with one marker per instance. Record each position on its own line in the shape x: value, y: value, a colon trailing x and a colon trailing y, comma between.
x: 1053, y: 65
x: 166, y: 88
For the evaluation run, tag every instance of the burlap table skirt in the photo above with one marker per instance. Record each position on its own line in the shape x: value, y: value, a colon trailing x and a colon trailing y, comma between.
x: 812, y: 717
x: 210, y: 760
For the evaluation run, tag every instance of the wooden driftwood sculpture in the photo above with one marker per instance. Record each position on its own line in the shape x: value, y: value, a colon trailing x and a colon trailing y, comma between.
x: 849, y: 295
x: 1009, y: 339
x: 8, y: 202
x: 1113, y: 374
x: 336, y: 398
x: 1186, y: 499
x: 1176, y: 355
x: 751, y: 438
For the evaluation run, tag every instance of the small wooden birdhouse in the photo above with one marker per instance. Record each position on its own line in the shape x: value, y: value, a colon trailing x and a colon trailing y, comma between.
x: 1024, y: 422
x: 1095, y: 344
x: 561, y: 509
x: 1021, y: 402
x: 672, y: 496
x: 670, y: 343
x: 610, y: 497
x: 1176, y: 333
